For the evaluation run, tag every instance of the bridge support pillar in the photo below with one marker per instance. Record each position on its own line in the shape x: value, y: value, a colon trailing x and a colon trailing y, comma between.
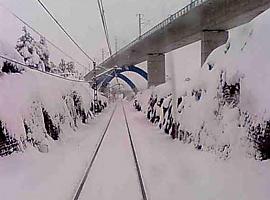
x: 156, y: 69
x: 210, y: 41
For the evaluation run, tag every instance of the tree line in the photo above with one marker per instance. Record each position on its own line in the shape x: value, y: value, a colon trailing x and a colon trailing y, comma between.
x: 36, y: 54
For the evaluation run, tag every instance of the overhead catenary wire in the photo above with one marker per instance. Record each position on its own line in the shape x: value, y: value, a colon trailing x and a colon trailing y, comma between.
x: 47, y: 73
x: 104, y: 23
x: 41, y: 35
x: 64, y: 30
x: 105, y: 27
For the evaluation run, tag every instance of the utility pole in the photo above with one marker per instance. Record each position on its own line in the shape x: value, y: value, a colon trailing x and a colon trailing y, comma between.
x: 140, y: 16
x: 116, y: 44
x: 103, y: 54
x: 95, y: 88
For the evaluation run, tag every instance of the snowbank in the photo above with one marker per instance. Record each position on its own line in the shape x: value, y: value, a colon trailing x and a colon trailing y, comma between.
x: 224, y: 106
x: 36, y: 108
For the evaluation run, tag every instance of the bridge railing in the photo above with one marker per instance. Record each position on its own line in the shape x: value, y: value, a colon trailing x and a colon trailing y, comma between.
x: 161, y: 25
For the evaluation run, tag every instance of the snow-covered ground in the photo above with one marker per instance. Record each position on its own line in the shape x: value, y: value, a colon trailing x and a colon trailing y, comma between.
x: 56, y: 175
x: 26, y: 98
x: 48, y: 114
x: 113, y: 175
x: 224, y: 106
x: 170, y: 169
x: 173, y: 170
x: 37, y: 108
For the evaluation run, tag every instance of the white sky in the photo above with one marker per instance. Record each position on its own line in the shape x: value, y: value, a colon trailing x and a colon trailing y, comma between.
x: 81, y: 19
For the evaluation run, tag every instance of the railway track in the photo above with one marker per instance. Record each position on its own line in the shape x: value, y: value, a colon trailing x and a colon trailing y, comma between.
x: 79, y: 190
x: 139, y: 173
x: 95, y: 154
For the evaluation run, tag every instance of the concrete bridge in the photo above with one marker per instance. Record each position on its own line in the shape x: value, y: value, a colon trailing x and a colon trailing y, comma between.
x: 207, y: 21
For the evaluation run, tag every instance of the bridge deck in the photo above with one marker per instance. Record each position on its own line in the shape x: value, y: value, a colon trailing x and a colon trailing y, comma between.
x: 185, y: 27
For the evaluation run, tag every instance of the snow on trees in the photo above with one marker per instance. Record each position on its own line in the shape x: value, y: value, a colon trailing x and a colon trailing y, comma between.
x: 43, y: 53
x: 25, y: 46
x: 65, y: 69
x: 35, y: 54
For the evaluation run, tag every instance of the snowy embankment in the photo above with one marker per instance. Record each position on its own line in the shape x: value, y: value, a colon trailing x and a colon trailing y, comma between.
x: 172, y: 170
x: 37, y: 109
x: 55, y: 175
x: 222, y: 107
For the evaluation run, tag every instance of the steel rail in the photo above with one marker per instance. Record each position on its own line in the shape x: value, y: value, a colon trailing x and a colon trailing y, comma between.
x: 80, y: 188
x: 139, y: 173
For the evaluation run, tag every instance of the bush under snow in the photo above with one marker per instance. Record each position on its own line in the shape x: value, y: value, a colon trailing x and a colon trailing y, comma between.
x: 36, y: 109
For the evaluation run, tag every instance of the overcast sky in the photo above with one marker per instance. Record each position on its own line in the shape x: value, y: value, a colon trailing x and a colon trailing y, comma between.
x: 82, y: 20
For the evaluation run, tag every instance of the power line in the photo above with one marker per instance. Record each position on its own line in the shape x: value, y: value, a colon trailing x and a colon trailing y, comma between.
x: 63, y: 29
x: 105, y: 27
x: 37, y: 32
x: 104, y: 23
x: 50, y: 74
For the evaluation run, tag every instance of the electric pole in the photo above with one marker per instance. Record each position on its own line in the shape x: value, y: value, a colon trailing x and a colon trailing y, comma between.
x: 103, y: 54
x: 140, y: 17
x: 95, y: 88
x: 116, y: 44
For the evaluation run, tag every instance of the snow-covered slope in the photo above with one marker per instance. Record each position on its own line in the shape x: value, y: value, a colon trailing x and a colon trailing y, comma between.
x: 224, y: 106
x: 36, y: 108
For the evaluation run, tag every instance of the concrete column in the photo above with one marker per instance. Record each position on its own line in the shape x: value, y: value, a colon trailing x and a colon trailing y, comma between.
x: 156, y: 69
x: 210, y: 41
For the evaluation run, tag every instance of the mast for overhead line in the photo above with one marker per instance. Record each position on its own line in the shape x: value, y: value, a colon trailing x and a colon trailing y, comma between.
x: 116, y: 44
x: 102, y: 55
x: 95, y: 89
x: 140, y: 16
